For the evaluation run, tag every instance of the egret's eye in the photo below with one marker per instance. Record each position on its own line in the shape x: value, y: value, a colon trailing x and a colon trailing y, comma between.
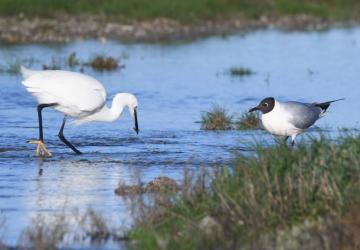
x: 265, y: 104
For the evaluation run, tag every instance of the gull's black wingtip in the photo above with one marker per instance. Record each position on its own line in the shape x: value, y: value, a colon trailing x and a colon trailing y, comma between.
x: 325, y: 105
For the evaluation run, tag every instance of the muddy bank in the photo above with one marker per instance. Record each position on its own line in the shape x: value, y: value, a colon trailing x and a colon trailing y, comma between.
x: 22, y: 29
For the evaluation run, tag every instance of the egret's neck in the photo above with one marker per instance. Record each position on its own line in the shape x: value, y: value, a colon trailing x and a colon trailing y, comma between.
x: 106, y: 114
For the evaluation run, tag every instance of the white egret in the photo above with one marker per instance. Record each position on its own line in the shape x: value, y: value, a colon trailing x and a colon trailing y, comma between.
x: 76, y: 95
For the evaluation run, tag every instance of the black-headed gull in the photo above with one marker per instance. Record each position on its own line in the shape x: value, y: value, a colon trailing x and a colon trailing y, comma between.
x: 290, y: 118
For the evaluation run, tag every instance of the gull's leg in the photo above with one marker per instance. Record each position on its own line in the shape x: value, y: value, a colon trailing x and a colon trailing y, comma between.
x: 63, y: 139
x: 293, y: 140
x: 286, y: 138
x: 41, y: 149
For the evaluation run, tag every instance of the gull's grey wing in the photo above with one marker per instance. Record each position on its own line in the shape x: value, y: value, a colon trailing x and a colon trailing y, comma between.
x: 302, y: 115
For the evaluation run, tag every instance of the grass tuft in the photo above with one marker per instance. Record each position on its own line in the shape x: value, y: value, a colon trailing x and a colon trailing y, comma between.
x: 104, y: 63
x: 216, y: 119
x: 248, y: 121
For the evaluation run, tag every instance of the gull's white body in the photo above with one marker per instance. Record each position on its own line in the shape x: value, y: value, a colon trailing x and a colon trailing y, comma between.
x: 290, y: 118
x: 277, y: 122
x: 76, y: 94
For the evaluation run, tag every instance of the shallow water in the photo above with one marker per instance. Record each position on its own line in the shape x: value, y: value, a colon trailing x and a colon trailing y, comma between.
x: 173, y: 83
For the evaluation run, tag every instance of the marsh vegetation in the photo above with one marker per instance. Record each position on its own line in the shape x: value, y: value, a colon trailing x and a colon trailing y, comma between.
x: 218, y: 118
x: 98, y: 62
x: 66, y: 227
x: 103, y: 63
x: 160, y: 184
x: 12, y: 66
x: 170, y: 141
x: 248, y: 121
x: 276, y: 197
x: 184, y: 10
x: 72, y: 61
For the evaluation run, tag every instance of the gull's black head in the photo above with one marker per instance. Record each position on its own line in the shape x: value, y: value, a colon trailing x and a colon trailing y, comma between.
x: 265, y: 106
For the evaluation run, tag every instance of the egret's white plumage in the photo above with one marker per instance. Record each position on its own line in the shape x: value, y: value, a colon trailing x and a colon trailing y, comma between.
x: 77, y: 95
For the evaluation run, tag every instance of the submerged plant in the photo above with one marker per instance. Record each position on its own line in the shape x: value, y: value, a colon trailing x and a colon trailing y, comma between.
x: 240, y: 71
x: 216, y: 119
x: 72, y: 60
x: 2, y: 230
x: 12, y: 67
x: 54, y: 64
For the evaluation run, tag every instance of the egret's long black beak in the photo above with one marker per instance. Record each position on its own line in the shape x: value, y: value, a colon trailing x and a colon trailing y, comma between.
x: 136, y: 122
x: 254, y: 109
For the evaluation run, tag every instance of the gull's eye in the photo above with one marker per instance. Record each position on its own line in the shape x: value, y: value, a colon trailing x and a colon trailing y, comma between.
x: 265, y: 104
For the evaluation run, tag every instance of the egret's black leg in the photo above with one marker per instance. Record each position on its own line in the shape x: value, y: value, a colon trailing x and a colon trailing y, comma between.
x: 292, y: 143
x: 63, y: 139
x: 39, y: 109
x: 41, y: 149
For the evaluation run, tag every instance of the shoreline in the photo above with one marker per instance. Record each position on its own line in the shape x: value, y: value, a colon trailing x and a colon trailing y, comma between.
x: 20, y: 29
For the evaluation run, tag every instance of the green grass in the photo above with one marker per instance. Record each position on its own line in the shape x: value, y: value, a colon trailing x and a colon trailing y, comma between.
x: 248, y: 121
x: 306, y: 197
x: 184, y: 10
x: 216, y: 119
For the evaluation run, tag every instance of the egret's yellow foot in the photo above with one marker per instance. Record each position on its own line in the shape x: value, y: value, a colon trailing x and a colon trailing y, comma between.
x: 41, y: 149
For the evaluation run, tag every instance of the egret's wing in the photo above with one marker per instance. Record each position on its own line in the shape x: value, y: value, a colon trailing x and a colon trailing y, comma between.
x: 69, y: 89
x: 26, y: 73
x: 301, y: 115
